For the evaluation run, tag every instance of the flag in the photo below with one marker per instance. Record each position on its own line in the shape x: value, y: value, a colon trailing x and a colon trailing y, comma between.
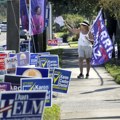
x: 37, y: 16
x: 103, y: 46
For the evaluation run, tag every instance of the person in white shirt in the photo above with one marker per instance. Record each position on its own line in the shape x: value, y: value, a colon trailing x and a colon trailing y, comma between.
x: 85, y: 42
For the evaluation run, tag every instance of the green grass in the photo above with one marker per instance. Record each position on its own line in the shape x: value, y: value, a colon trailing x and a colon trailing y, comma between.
x: 73, y: 44
x: 113, y: 67
x: 52, y: 113
x: 60, y: 34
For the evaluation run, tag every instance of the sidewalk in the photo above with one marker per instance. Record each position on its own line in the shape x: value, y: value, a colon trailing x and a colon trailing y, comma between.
x: 96, y: 98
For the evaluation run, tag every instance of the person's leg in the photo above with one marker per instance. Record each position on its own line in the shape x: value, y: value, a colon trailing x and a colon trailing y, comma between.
x: 88, y: 54
x: 81, y: 68
x: 35, y: 43
x: 81, y: 65
x: 88, y: 66
x: 81, y: 58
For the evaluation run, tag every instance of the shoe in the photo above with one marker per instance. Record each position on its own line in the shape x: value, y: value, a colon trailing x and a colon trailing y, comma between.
x: 80, y: 76
x: 87, y: 76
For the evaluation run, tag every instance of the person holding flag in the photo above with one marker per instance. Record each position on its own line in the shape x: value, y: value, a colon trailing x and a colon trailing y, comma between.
x: 85, y: 42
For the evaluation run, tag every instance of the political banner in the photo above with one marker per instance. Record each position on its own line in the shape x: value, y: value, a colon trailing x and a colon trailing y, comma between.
x: 23, y: 58
x: 37, y: 16
x: 34, y: 57
x: 61, y: 80
x: 24, y: 14
x: 22, y: 105
x: 51, y: 61
x: 32, y: 72
x: 14, y: 80
x: 10, y: 65
x: 39, y: 84
x: 5, y: 86
x: 2, y: 63
x: 103, y: 46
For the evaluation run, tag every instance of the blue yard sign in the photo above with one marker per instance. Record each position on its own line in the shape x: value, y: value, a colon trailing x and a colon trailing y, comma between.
x: 32, y: 72
x: 34, y: 57
x: 61, y: 79
x: 38, y: 84
x: 22, y: 105
x: 51, y: 61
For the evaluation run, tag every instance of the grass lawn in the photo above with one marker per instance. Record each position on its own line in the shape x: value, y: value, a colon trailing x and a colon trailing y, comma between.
x: 52, y: 113
x: 73, y: 44
x: 113, y: 67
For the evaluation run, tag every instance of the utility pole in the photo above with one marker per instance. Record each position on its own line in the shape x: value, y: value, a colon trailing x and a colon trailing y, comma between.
x: 13, y: 25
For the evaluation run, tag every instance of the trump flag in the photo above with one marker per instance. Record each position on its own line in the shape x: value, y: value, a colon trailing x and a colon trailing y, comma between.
x: 103, y: 46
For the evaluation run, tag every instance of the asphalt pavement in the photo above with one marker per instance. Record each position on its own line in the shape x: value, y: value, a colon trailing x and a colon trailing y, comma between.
x: 96, y: 98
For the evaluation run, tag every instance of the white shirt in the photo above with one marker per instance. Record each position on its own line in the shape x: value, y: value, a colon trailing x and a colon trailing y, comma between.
x: 83, y: 41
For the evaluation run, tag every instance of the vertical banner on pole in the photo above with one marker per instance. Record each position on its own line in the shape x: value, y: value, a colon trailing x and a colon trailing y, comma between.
x: 24, y: 14
x: 37, y: 16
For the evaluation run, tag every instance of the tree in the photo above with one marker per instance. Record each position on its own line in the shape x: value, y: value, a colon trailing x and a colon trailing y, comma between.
x: 112, y: 5
x: 83, y: 7
x: 112, y: 8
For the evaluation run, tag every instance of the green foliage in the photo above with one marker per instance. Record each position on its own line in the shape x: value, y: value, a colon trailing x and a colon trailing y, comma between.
x: 73, y: 19
x: 112, y: 5
x: 83, y: 7
x: 113, y: 67
x: 52, y: 113
x: 3, y: 10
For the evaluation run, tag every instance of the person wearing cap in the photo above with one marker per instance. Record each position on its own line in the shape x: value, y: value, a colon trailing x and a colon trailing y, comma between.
x: 85, y: 42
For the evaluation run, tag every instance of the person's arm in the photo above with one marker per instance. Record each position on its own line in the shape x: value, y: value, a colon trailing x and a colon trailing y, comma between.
x: 73, y: 30
x: 90, y: 37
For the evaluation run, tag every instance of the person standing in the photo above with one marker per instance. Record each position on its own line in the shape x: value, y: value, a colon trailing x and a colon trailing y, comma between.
x: 85, y: 42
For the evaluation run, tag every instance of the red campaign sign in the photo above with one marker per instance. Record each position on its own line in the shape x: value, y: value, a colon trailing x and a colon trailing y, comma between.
x: 2, y: 60
x: 53, y: 42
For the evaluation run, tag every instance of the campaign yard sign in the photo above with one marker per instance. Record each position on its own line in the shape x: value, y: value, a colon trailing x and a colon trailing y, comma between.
x: 51, y: 61
x: 61, y: 80
x: 32, y: 72
x: 53, y: 42
x: 34, y: 57
x: 14, y: 80
x: 23, y: 58
x: 22, y: 105
x: 10, y: 65
x: 5, y: 86
x: 39, y: 84
x: 2, y: 63
x: 12, y: 54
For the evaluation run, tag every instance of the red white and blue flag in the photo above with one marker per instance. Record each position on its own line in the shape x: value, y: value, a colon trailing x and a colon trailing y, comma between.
x: 103, y: 46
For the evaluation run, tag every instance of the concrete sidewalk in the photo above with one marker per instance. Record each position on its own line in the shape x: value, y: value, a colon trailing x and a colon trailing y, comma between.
x: 96, y: 98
